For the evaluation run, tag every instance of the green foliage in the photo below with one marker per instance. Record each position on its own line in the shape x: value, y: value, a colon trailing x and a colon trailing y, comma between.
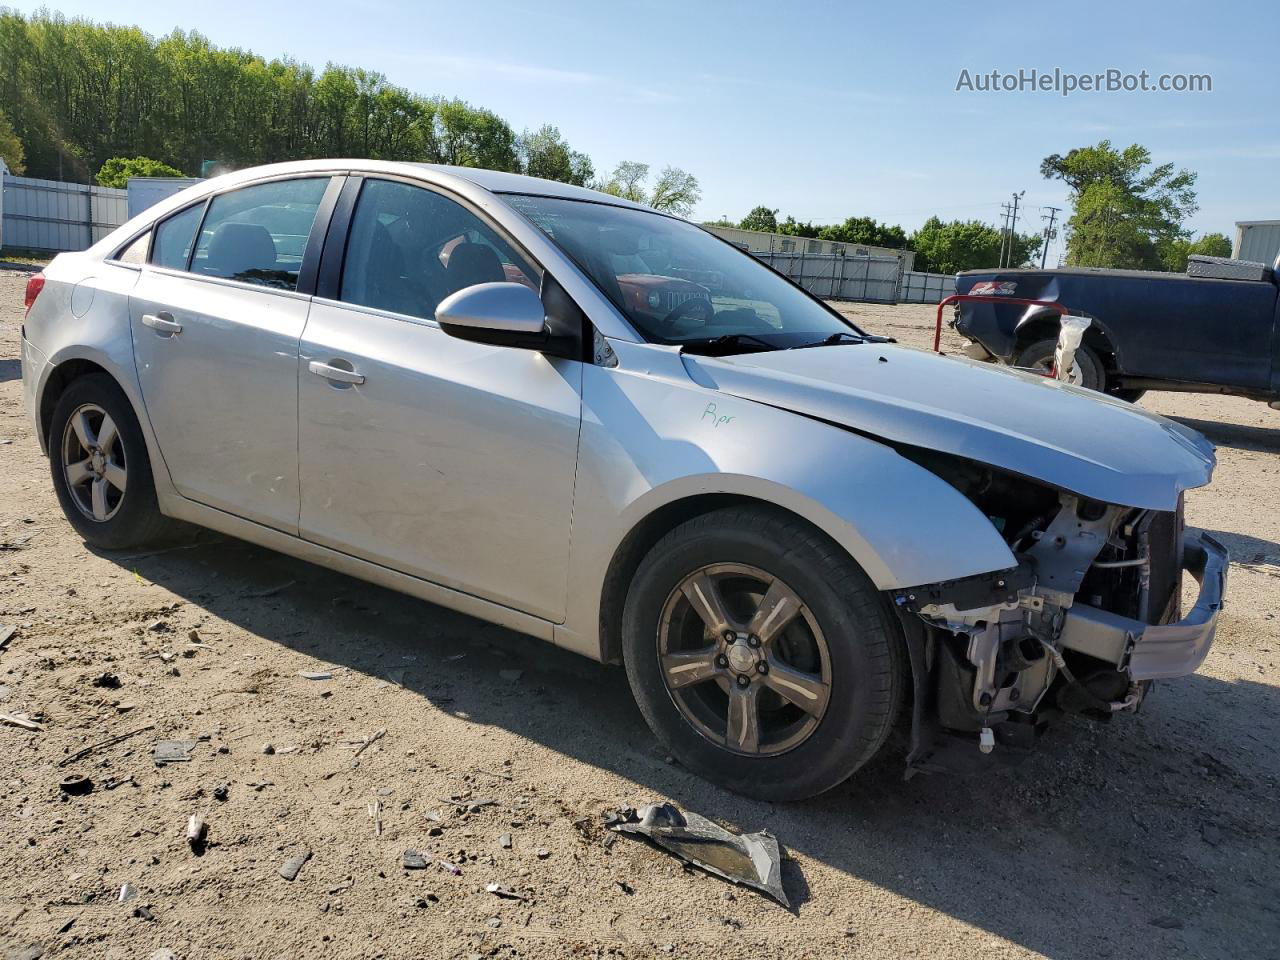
x: 10, y: 146
x: 545, y: 154
x: 116, y: 171
x: 675, y: 191
x: 80, y: 93
x: 763, y: 219
x: 795, y: 228
x: 1126, y: 213
x: 1175, y: 253
x: 866, y: 231
x: 966, y: 245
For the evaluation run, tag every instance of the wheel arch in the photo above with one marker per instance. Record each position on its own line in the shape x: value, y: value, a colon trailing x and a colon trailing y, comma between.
x: 1042, y: 324
x: 56, y: 383
x: 637, y: 543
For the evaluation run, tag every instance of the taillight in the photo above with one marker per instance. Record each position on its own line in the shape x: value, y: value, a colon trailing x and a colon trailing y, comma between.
x: 35, y: 283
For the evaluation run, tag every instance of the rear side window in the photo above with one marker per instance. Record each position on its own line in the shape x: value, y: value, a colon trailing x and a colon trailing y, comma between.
x: 134, y: 252
x: 258, y: 234
x: 172, y: 248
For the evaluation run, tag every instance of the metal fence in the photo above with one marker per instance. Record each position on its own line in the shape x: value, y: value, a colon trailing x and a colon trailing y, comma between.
x: 54, y: 216
x: 873, y: 279
x: 919, y: 287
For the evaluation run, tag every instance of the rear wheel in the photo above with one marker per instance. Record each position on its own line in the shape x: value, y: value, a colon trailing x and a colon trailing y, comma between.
x: 1087, y: 371
x: 101, y: 471
x: 761, y: 655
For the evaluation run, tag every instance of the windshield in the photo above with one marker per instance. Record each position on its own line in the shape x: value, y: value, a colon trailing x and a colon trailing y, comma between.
x: 679, y: 284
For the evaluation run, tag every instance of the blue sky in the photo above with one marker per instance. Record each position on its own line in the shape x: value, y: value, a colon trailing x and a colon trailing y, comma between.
x: 822, y: 109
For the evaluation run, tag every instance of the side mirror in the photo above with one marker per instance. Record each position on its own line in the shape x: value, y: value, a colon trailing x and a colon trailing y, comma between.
x: 503, y: 314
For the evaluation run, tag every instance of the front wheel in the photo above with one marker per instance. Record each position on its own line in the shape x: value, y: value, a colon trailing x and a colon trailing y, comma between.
x: 761, y: 654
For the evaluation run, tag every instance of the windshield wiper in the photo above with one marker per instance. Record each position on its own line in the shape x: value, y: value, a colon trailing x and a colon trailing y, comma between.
x: 831, y: 340
x: 728, y: 340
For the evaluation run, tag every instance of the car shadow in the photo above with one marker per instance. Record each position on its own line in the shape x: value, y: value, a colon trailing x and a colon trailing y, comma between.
x: 1094, y: 846
x: 1246, y: 549
x: 1239, y: 435
x: 10, y: 370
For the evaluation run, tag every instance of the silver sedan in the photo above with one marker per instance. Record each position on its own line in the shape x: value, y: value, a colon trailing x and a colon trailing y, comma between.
x: 606, y: 428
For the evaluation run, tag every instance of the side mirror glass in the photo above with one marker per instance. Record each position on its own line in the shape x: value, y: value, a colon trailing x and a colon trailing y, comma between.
x: 503, y: 314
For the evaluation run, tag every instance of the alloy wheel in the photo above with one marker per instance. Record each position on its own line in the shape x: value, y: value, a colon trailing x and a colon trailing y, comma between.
x: 744, y: 659
x: 93, y: 462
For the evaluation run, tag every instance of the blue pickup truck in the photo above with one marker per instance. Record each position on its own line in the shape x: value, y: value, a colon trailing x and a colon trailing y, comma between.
x: 1149, y: 331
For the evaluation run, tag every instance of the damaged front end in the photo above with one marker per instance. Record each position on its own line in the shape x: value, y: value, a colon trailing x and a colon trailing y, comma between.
x: 1083, y: 624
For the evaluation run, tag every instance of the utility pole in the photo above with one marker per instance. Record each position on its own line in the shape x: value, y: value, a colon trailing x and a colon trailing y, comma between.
x: 1013, y: 225
x: 1004, y: 233
x: 1049, y: 233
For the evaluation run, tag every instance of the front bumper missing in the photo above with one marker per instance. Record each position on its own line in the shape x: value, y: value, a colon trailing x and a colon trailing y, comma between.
x: 1153, y: 652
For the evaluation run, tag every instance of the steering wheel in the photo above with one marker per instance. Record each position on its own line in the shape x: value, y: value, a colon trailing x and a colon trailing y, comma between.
x: 695, y: 308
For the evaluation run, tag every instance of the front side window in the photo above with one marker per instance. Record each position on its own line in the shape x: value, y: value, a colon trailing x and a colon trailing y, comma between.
x: 408, y: 248
x: 172, y: 248
x: 678, y: 284
x: 258, y: 234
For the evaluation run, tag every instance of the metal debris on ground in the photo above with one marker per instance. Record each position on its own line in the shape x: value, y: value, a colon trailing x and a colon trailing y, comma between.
x: 20, y: 720
x: 750, y: 859
x: 413, y: 860
x: 316, y: 675
x: 172, y: 751
x: 7, y: 633
x: 506, y: 893
x: 109, y: 742
x: 76, y: 785
x: 127, y: 892
x: 291, y: 867
x: 451, y: 868
x: 197, y: 833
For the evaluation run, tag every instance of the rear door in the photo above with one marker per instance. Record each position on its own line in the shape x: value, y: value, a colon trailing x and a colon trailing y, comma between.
x: 216, y: 317
x: 444, y: 459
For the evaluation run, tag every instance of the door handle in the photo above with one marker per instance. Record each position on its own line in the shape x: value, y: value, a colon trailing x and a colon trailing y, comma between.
x: 161, y: 323
x: 336, y: 374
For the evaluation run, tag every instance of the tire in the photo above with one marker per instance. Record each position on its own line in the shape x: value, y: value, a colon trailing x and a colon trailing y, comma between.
x: 841, y: 654
x: 114, y: 505
x: 1039, y: 356
x: 1128, y: 396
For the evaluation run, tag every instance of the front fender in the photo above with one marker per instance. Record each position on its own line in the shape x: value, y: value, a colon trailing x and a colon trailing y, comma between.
x: 652, y: 437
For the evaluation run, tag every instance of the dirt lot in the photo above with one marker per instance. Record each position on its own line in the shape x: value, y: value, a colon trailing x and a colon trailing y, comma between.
x: 1154, y: 836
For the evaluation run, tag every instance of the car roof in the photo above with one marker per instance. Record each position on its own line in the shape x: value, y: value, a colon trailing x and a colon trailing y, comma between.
x: 493, y: 182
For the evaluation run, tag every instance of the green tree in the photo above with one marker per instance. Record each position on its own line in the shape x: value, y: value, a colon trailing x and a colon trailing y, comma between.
x: 867, y: 231
x: 1174, y: 254
x: 10, y: 146
x: 116, y: 171
x: 675, y: 191
x: 626, y: 181
x: 966, y: 245
x: 763, y: 219
x: 795, y: 228
x: 545, y: 154
x: 1124, y: 209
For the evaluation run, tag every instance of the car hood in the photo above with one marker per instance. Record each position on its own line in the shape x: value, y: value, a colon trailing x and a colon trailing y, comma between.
x: 1075, y: 439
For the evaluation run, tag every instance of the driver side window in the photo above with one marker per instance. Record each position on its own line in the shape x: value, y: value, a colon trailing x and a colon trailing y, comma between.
x: 408, y: 248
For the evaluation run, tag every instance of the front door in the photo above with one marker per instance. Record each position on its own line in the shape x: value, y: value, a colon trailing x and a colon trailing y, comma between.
x: 444, y: 459
x: 216, y: 319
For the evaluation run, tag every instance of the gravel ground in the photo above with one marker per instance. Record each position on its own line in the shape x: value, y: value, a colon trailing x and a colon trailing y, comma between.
x: 1153, y: 836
